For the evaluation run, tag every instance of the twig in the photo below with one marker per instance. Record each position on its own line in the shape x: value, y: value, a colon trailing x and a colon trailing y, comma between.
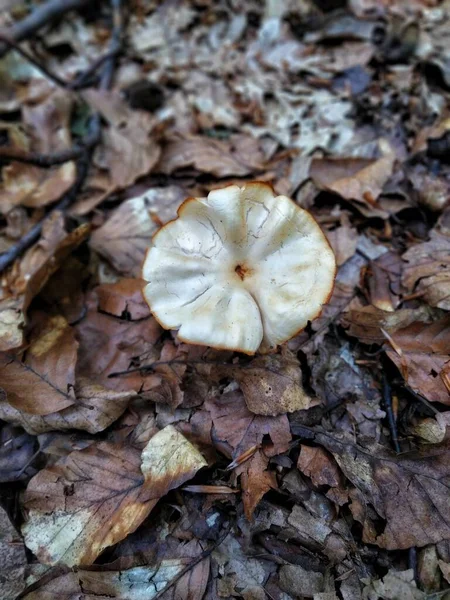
x: 193, y: 564
x: 46, y: 161
x: 387, y: 399
x: 40, y: 16
x: 7, y: 258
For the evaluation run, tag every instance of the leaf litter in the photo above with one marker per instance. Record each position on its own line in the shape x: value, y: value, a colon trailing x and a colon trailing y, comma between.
x: 133, y: 464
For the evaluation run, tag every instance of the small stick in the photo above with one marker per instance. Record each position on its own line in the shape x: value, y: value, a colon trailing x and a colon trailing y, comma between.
x: 40, y: 16
x: 193, y: 564
x: 387, y: 399
x: 8, y: 257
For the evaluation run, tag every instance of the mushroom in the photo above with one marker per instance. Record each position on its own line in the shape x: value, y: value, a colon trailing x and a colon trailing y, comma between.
x: 241, y: 270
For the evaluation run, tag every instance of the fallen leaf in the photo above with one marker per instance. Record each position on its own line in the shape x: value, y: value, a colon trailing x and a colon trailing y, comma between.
x: 359, y: 179
x: 95, y: 409
x: 109, y: 344
x: 47, y: 124
x: 428, y: 270
x: 256, y: 480
x: 123, y: 299
x: 74, y: 511
x: 239, y: 156
x: 296, y: 581
x: 319, y: 466
x: 13, y: 560
x: 394, y: 585
x: 408, y: 492
x: 425, y: 354
x: 130, y: 584
x: 272, y: 385
x: 26, y: 278
x: 343, y: 240
x: 17, y: 451
x: 129, y: 145
x: 384, y: 281
x: 42, y: 381
x: 126, y: 236
x: 236, y: 425
x: 366, y: 323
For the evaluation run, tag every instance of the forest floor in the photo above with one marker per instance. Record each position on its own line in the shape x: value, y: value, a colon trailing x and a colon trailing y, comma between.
x: 136, y: 466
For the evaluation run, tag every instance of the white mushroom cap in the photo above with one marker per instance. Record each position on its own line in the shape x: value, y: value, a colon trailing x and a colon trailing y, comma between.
x: 242, y: 270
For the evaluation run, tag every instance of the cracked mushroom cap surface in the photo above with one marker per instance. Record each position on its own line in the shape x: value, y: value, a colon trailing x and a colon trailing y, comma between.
x: 241, y: 270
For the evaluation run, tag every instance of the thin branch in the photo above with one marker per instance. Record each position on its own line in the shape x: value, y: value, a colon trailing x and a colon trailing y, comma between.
x: 8, y: 257
x: 40, y: 16
x: 387, y: 400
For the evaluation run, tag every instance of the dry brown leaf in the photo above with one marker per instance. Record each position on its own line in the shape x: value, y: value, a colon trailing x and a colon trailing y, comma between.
x: 366, y: 323
x: 393, y: 586
x: 317, y: 464
x: 29, y: 276
x: 97, y: 496
x: 425, y: 354
x: 272, y: 385
x: 123, y: 299
x: 256, y: 480
x: 129, y: 146
x: 130, y: 584
x: 408, y: 491
x: 239, y: 156
x: 236, y: 425
x: 126, y: 236
x: 357, y: 179
x: 13, y: 561
x: 384, y: 281
x: 42, y: 381
x: 95, y: 409
x: 48, y: 125
x: 428, y: 270
x: 108, y: 344
x: 343, y: 240
x: 297, y: 581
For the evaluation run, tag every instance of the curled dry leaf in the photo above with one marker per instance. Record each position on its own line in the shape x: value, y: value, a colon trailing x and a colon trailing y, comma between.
x: 125, y: 237
x: 48, y: 125
x: 272, y: 385
x: 359, y: 179
x: 239, y: 156
x: 29, y: 276
x: 95, y: 409
x: 13, y: 561
x: 129, y: 146
x: 428, y: 270
x: 42, y: 381
x: 97, y: 496
x: 409, y: 492
x: 422, y: 354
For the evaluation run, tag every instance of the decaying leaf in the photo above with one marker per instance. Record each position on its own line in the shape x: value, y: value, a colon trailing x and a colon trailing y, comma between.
x: 422, y: 354
x: 272, y: 385
x: 29, y: 276
x: 95, y: 409
x: 13, y: 561
x: 42, y: 381
x: 97, y: 496
x: 236, y: 425
x: 256, y: 480
x: 130, y: 147
x: 48, y: 126
x: 394, y: 585
x: 239, y: 156
x: 357, y: 179
x: 126, y: 236
x: 408, y: 492
x: 428, y: 270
